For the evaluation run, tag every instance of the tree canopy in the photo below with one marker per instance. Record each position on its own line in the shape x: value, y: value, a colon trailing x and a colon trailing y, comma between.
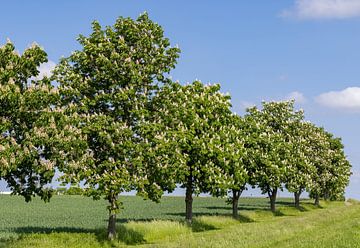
x: 25, y: 109
x: 105, y: 89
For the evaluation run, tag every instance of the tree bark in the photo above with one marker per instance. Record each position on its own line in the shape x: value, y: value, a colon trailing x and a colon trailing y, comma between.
x: 326, y: 196
x: 297, y: 199
x: 317, y: 200
x: 272, y: 195
x: 112, y: 217
x: 189, y: 199
x: 235, y: 202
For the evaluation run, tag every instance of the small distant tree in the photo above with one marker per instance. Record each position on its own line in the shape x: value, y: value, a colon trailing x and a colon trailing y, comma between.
x: 25, y: 110
x: 105, y: 91
x: 340, y: 170
x: 196, y: 120
x: 332, y: 168
x: 270, y: 133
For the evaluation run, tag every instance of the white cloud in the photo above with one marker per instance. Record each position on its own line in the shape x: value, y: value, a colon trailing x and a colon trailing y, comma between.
x: 45, y: 69
x: 297, y: 96
x: 324, y: 9
x: 246, y: 104
x: 348, y: 99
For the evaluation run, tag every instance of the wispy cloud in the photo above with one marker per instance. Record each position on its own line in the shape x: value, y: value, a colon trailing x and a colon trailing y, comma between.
x: 246, y: 104
x: 347, y: 99
x: 297, y: 96
x: 323, y: 9
x: 283, y: 77
x: 45, y: 69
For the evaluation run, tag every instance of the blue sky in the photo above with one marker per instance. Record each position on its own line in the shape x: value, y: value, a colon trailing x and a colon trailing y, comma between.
x: 258, y: 50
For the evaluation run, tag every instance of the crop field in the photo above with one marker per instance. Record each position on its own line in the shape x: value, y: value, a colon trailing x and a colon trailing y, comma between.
x: 75, y: 221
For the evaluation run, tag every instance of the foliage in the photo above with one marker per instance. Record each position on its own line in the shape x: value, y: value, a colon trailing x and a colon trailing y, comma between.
x: 332, y: 168
x: 73, y: 190
x: 25, y: 110
x: 301, y: 166
x: 235, y: 156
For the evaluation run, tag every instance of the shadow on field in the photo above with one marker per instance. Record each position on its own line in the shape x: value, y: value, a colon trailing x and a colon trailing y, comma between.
x: 198, y: 214
x: 278, y: 213
x: 201, y: 226
x: 302, y: 209
x: 35, y: 229
x: 130, y: 236
x: 100, y: 234
x: 240, y: 208
x: 244, y: 219
x: 126, y: 235
x: 125, y: 220
x: 285, y: 203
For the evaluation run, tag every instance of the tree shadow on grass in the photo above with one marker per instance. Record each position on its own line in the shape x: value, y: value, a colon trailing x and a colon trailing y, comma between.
x: 244, y: 219
x: 197, y: 214
x: 130, y: 236
x: 240, y: 208
x: 302, y: 209
x: 125, y: 220
x: 278, y: 213
x: 125, y: 235
x: 47, y: 230
x: 198, y: 225
x: 285, y: 203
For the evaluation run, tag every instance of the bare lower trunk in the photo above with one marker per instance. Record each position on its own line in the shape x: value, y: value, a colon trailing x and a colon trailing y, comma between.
x: 111, y: 226
x: 272, y: 195
x: 297, y: 199
x: 235, y: 202
x: 112, y: 217
x: 326, y: 196
x: 317, y: 200
x: 189, y: 199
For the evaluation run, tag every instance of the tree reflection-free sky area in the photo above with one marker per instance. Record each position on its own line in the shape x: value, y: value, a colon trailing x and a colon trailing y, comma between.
x: 257, y: 50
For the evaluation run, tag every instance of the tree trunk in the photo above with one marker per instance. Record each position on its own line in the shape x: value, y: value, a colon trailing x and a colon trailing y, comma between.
x: 111, y: 226
x: 317, y: 200
x: 297, y: 199
x: 112, y: 217
x: 235, y: 201
x: 272, y: 196
x: 189, y: 199
x: 326, y: 196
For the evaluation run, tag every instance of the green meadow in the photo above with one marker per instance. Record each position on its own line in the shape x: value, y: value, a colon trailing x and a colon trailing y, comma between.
x: 76, y: 221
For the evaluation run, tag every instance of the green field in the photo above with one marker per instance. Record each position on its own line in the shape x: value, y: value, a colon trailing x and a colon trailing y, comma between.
x: 74, y: 221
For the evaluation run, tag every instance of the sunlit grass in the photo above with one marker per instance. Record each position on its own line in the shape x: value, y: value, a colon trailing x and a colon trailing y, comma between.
x: 79, y: 222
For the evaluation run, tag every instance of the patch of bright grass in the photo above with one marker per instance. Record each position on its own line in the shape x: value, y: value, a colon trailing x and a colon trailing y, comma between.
x: 147, y: 232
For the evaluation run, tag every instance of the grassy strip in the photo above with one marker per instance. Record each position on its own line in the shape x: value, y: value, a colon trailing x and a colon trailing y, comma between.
x: 336, y: 225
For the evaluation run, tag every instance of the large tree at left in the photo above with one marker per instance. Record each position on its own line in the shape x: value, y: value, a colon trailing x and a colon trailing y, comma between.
x: 105, y: 90
x: 25, y: 109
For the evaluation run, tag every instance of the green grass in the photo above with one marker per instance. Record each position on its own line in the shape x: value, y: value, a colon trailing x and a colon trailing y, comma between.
x: 74, y: 221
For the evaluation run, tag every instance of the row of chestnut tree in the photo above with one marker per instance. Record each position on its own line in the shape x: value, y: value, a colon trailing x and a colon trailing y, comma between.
x: 110, y: 117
